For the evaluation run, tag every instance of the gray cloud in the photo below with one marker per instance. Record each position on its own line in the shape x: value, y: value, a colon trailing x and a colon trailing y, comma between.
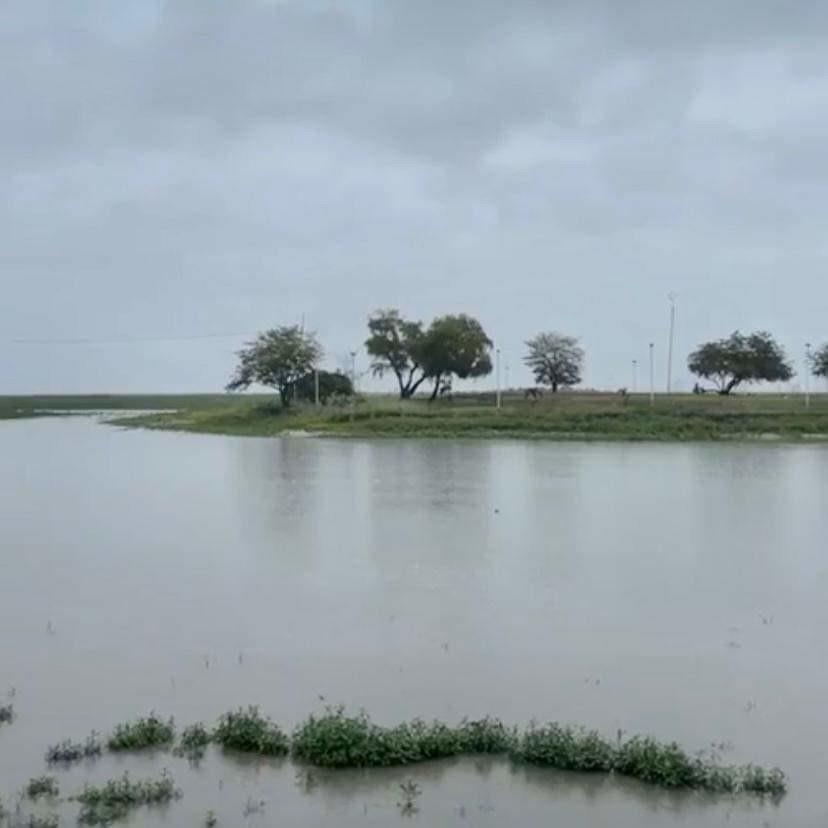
x: 180, y: 168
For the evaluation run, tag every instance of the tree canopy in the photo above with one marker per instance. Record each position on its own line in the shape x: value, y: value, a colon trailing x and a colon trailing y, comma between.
x: 277, y: 358
x: 450, y: 346
x: 555, y: 360
x: 454, y: 346
x: 740, y: 358
x: 395, y: 345
x: 819, y: 361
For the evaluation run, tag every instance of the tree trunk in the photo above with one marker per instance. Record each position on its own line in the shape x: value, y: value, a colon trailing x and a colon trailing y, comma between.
x: 554, y: 386
x: 729, y: 387
x: 436, y: 390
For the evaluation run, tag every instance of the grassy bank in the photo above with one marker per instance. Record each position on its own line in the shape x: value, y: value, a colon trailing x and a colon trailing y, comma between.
x: 567, y: 416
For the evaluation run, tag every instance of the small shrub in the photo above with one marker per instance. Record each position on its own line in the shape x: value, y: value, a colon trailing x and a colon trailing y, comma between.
x: 68, y: 751
x: 666, y: 765
x: 250, y: 732
x: 566, y: 747
x: 102, y: 804
x: 486, y: 736
x: 147, y: 732
x: 193, y: 742
x: 42, y: 786
x: 338, y: 741
x: 759, y: 780
x: 6, y: 713
x: 211, y: 820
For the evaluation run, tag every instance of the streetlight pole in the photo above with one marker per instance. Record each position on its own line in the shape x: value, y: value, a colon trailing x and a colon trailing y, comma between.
x: 807, y: 375
x: 353, y: 384
x: 672, y: 298
x: 497, y: 371
x: 652, y: 374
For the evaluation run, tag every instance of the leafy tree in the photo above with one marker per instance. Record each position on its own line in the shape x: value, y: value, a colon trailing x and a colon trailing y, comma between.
x: 330, y: 383
x: 396, y: 345
x: 740, y: 358
x: 278, y: 358
x: 819, y: 361
x: 556, y: 360
x: 454, y: 346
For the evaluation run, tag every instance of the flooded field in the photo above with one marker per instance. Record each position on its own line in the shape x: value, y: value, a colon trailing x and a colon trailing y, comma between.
x: 673, y: 590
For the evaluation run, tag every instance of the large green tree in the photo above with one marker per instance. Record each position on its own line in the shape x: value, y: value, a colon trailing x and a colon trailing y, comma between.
x: 277, y: 358
x: 819, y: 361
x: 556, y: 360
x: 740, y: 358
x: 454, y: 346
x: 395, y: 345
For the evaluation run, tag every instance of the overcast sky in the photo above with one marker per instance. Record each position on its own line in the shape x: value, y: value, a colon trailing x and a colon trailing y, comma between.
x: 195, y: 167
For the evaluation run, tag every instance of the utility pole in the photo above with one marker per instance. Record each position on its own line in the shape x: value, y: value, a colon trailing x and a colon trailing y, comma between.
x: 353, y: 384
x: 497, y: 363
x: 807, y: 375
x: 316, y: 386
x: 672, y: 298
x: 652, y: 374
x: 635, y: 376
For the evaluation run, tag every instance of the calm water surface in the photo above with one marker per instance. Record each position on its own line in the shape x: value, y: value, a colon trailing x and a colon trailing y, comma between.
x: 676, y: 590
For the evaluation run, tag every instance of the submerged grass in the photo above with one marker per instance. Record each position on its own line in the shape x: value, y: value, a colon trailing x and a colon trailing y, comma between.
x: 102, y: 804
x: 337, y: 740
x: 193, y: 741
x: 67, y: 751
x: 34, y: 821
x: 150, y: 731
x: 42, y: 786
x: 247, y: 731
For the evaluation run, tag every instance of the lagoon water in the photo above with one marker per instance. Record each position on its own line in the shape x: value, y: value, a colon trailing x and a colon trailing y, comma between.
x: 679, y: 590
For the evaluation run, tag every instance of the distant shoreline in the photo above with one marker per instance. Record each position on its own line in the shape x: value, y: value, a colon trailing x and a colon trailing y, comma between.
x: 569, y: 416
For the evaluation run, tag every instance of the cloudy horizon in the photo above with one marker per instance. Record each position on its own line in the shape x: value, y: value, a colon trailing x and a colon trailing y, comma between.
x: 180, y: 175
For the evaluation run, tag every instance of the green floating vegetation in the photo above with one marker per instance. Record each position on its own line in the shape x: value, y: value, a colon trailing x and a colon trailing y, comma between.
x: 102, y: 804
x: 248, y: 731
x: 671, y: 767
x: 67, y: 751
x: 335, y: 740
x: 35, y: 821
x: 565, y: 747
x: 193, y: 741
x: 150, y: 731
x: 42, y: 786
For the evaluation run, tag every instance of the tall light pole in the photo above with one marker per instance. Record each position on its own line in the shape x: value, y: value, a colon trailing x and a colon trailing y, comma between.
x: 353, y: 384
x: 497, y: 371
x: 635, y: 375
x: 652, y: 374
x: 807, y: 375
x: 672, y: 298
